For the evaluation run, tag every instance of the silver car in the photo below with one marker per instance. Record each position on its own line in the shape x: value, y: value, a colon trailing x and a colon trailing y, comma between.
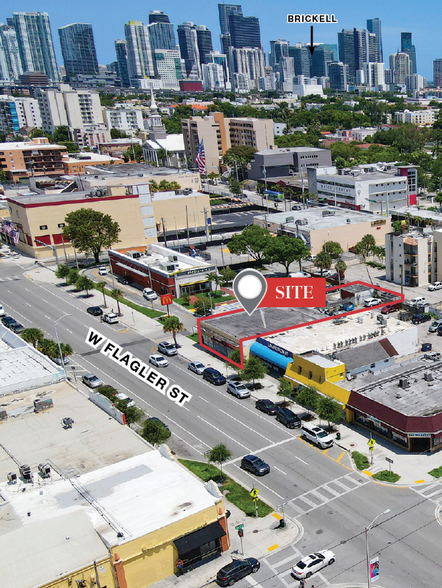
x: 92, y: 381
x: 158, y: 360
x: 196, y: 366
x: 238, y: 389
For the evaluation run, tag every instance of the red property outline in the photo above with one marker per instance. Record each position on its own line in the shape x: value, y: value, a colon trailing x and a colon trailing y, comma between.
x: 400, y: 298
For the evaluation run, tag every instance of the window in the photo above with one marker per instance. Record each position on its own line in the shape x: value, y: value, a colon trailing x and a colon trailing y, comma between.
x: 42, y: 227
x: 61, y: 225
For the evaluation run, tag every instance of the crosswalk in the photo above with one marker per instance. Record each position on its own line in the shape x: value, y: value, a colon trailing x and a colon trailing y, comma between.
x: 324, y: 494
x: 432, y: 492
x: 10, y: 279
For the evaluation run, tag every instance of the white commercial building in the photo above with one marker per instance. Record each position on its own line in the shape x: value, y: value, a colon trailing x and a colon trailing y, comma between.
x: 302, y: 90
x: 213, y: 76
x: 169, y: 68
x: 410, y: 257
x: 416, y: 117
x: 126, y: 120
x: 16, y: 113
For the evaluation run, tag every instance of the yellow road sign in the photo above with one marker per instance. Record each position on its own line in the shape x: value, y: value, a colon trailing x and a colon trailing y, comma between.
x: 254, y: 493
x: 371, y: 443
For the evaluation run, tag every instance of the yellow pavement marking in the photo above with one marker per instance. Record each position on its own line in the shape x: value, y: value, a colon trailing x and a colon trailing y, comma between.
x: 277, y: 516
x: 226, y: 250
x: 125, y: 330
x: 341, y: 456
x: 367, y: 473
x: 324, y: 453
x: 273, y: 547
x: 419, y: 482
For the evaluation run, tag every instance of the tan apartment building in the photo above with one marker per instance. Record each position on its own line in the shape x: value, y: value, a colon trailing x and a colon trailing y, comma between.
x: 37, y: 217
x: 33, y: 158
x: 219, y: 134
x: 413, y: 256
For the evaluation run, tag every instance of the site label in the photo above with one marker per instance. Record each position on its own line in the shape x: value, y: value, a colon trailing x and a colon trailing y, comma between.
x: 312, y: 18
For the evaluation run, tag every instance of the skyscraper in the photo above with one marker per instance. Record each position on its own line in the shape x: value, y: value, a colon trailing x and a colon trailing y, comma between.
x: 78, y: 49
x: 225, y: 10
x: 374, y: 26
x: 35, y: 43
x: 301, y: 58
x: 161, y: 31
x: 365, y: 49
x: 188, y: 41
x: 204, y: 40
x: 321, y: 59
x: 401, y: 65
x: 346, y: 48
x: 11, y: 55
x: 278, y: 50
x: 244, y: 31
x: 122, y: 70
x: 408, y: 48
x: 140, y: 62
x: 338, y: 73
x: 437, y: 72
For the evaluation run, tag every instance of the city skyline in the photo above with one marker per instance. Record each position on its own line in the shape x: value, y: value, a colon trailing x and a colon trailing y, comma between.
x: 118, y: 15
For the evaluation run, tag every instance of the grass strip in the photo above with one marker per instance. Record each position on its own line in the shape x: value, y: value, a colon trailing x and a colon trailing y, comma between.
x: 386, y: 476
x: 194, y: 337
x: 361, y: 461
x: 146, y: 311
x: 237, y: 494
x: 436, y: 473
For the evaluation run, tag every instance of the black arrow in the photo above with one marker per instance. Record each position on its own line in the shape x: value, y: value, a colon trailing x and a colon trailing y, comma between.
x: 311, y: 46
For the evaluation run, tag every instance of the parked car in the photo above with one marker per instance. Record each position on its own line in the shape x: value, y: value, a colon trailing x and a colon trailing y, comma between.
x: 57, y: 360
x: 16, y: 327
x: 312, y: 563
x: 433, y: 355
x: 266, y: 406
x: 296, y: 207
x: 102, y: 271
x: 435, y: 286
x: 255, y: 465
x: 156, y: 419
x: 124, y: 397
x: 417, y: 301
x: 7, y: 320
x: 214, y: 376
x: 299, y: 275
x: 158, y: 360
x: 316, y: 435
x: 417, y: 319
x: 123, y: 280
x: 239, y: 568
x: 238, y: 389
x: 196, y: 366
x: 111, y: 318
x: 149, y: 294
x: 288, y: 418
x: 167, y: 348
x: 91, y: 381
x: 2, y: 310
x: 434, y: 327
x: 372, y: 302
x: 391, y: 308
x: 95, y: 310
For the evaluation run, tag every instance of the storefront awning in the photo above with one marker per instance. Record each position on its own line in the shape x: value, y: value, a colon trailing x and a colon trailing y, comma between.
x: 271, y: 356
x: 198, y: 538
x: 192, y: 283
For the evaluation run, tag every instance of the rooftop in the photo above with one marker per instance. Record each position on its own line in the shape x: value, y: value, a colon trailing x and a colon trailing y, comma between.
x: 289, y: 150
x: 135, y: 169
x: 25, y: 199
x: 159, y: 255
x: 29, y: 146
x: 363, y: 355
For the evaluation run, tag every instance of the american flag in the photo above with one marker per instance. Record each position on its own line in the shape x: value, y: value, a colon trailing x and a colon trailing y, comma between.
x: 201, y: 158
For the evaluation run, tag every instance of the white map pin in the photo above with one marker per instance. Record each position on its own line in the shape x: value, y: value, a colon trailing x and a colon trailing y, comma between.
x: 249, y: 287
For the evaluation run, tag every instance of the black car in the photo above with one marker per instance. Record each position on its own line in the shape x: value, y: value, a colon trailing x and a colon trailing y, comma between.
x: 95, y: 310
x: 239, y: 568
x: 7, y: 320
x: 255, y: 465
x: 214, y: 376
x: 123, y: 280
x: 288, y: 418
x: 16, y: 327
x: 266, y: 406
x: 421, y: 318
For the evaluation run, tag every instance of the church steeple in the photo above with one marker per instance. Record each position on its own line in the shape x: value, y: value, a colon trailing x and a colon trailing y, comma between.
x: 155, y: 117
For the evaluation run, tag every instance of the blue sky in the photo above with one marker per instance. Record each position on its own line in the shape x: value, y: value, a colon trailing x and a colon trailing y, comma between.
x: 108, y: 17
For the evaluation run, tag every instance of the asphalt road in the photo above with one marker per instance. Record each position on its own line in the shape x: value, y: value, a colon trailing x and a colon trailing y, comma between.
x: 332, y: 502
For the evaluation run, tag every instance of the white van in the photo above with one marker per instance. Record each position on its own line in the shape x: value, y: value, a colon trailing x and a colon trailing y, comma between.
x: 316, y: 435
x: 418, y: 301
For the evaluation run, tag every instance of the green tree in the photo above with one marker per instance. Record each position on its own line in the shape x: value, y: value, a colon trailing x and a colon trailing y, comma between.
x: 238, y: 158
x: 135, y: 151
x: 213, y: 277
x: 308, y: 396
x: 66, y: 350
x: 340, y: 267
x: 61, y: 134
x: 102, y: 286
x: 84, y: 283
x: 365, y: 246
x: 186, y: 297
x: 48, y: 347
x: 132, y: 414
x: 253, y: 370
x: 117, y: 134
x: 155, y: 432
x: 3, y: 177
x: 227, y: 276
x: 117, y: 294
x: 333, y: 248
x: 92, y: 231
x: 329, y: 410
x: 219, y: 454
x: 379, y: 251
x: 252, y: 241
x: 72, y: 276
x: 284, y: 389
x: 235, y: 356
x: 235, y: 187
x: 108, y: 391
x: 397, y: 226
x: 33, y: 336
x: 71, y: 146
x: 323, y: 261
x: 285, y: 250
x: 202, y: 304
x: 62, y: 271
x: 172, y: 324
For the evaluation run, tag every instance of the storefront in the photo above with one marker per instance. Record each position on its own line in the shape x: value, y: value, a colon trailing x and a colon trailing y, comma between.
x: 200, y: 544
x: 272, y: 356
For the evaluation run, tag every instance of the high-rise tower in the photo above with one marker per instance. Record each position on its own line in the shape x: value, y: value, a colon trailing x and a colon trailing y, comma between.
x: 374, y: 26
x: 408, y: 48
x: 225, y: 10
x: 78, y: 49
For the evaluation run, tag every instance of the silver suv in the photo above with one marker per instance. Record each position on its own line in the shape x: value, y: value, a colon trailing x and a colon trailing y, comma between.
x: 167, y: 348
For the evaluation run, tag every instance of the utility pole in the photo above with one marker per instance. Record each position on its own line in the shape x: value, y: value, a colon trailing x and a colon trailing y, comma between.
x: 187, y: 225
x: 205, y: 224
x: 164, y: 231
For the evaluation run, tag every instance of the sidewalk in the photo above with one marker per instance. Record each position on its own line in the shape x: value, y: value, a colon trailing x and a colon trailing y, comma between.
x: 413, y: 468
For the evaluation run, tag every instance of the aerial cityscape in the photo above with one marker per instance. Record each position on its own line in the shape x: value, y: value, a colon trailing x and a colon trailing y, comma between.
x: 220, y: 296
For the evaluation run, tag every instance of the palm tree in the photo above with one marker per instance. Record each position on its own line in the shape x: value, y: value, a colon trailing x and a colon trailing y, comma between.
x: 172, y: 324
x: 117, y: 294
x: 48, y: 347
x: 212, y: 277
x: 101, y: 286
x: 66, y: 349
x: 33, y: 336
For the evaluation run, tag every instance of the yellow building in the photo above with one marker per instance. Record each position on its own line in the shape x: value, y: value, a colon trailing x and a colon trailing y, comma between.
x: 38, y: 220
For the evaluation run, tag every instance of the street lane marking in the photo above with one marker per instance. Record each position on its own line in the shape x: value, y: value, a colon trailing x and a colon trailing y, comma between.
x: 243, y: 425
x: 367, y: 473
x: 224, y: 433
x: 341, y: 456
x: 260, y: 483
x: 285, y: 473
x: 323, y: 453
x: 301, y: 460
x: 263, y: 449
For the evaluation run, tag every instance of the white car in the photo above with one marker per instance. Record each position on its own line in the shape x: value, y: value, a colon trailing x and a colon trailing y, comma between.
x: 238, y: 389
x: 122, y: 396
x: 2, y: 310
x: 102, y: 271
x: 435, y: 286
x: 196, y: 366
x: 149, y: 294
x: 158, y: 360
x: 312, y: 563
x: 111, y: 318
x: 372, y: 302
x: 300, y: 275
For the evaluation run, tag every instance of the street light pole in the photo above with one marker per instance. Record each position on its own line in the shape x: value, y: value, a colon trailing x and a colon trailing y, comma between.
x: 58, y: 340
x: 367, y: 554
